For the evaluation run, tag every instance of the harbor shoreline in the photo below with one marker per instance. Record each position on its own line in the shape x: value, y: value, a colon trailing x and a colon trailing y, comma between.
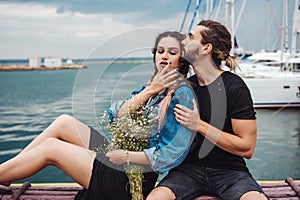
x: 22, y: 67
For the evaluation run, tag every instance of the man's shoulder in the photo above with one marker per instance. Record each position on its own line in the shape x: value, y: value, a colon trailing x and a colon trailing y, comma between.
x: 232, y: 78
x: 230, y: 75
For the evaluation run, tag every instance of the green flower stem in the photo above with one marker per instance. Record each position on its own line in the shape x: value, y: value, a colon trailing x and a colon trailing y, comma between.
x: 135, y: 177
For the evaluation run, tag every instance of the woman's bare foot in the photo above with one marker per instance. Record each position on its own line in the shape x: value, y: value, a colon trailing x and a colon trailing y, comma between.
x: 7, y: 184
x: 5, y: 189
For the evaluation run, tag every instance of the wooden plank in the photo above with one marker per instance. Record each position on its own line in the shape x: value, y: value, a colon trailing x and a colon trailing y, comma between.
x: 294, y: 185
x: 56, y: 188
x: 268, y: 185
x: 49, y: 192
x: 279, y: 189
x: 275, y: 191
x: 289, y: 198
x: 281, y: 194
x: 33, y: 197
x: 17, y: 193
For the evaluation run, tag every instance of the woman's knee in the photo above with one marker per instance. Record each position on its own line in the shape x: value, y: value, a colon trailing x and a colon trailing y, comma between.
x: 48, y: 148
x: 64, y: 124
x: 161, y: 193
x: 64, y: 120
x: 69, y: 129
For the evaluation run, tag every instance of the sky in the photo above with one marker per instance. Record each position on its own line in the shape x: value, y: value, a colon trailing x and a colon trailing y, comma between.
x: 74, y: 28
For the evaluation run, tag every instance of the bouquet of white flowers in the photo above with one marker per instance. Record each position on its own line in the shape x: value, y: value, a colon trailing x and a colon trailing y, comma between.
x: 131, y: 132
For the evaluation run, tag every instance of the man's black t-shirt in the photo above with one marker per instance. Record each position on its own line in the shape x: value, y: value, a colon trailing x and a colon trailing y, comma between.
x: 225, y: 98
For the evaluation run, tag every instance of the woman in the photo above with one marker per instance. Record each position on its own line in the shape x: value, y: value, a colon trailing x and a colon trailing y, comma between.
x: 67, y: 143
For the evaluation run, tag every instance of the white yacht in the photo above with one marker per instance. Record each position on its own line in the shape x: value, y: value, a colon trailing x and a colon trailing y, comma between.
x: 274, y: 77
x: 272, y: 86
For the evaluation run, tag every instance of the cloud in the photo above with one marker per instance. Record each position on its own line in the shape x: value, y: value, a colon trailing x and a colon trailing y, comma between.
x: 71, y: 28
x: 40, y: 30
x: 151, y: 10
x: 59, y: 29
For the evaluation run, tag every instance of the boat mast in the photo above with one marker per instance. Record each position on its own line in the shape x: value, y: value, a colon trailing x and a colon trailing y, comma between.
x: 229, y: 18
x: 208, y: 9
x: 194, y: 15
x: 268, y: 27
x: 286, y: 26
x: 232, y: 25
x: 284, y: 34
x: 296, y: 28
x: 185, y: 15
x: 240, y: 15
x: 218, y: 10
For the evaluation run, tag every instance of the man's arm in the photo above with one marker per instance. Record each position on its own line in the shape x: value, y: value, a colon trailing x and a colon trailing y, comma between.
x: 241, y: 144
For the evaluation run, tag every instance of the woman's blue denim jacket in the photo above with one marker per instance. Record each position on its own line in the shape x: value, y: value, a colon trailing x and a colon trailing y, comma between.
x: 169, y: 146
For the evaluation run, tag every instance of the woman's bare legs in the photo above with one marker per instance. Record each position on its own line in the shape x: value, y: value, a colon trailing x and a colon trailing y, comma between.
x: 75, y: 161
x: 65, y: 128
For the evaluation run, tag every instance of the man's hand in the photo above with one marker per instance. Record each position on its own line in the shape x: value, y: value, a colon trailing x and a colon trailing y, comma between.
x: 186, y: 117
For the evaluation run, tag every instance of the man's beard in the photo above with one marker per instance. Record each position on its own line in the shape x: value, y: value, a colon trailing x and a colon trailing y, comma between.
x: 192, y: 55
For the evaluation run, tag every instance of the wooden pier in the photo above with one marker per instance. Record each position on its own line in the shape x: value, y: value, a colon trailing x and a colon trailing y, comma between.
x: 279, y: 190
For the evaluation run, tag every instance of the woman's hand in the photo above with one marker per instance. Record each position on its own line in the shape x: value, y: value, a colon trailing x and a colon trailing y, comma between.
x: 165, y: 78
x: 117, y: 156
x: 186, y: 117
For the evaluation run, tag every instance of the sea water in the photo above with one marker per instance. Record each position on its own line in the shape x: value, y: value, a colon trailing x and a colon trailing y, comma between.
x: 31, y: 100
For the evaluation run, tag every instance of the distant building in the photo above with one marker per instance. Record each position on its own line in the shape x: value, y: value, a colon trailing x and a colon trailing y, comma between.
x: 35, y: 62
x: 52, y: 62
x: 69, y: 61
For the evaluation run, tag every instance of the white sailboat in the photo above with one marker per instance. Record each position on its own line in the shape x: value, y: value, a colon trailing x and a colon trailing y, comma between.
x: 270, y: 86
x: 272, y: 77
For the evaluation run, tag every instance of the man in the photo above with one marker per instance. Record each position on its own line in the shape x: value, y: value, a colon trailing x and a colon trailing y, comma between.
x: 225, y: 122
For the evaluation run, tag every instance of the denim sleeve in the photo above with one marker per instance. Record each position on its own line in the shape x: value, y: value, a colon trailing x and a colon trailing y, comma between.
x: 174, y: 140
x: 112, y: 111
